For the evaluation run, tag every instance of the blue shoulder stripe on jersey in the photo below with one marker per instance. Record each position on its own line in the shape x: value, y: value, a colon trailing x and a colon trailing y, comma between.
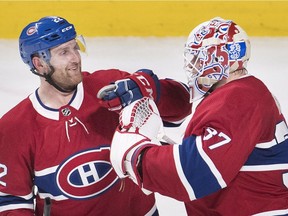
x: 196, y: 170
x: 276, y: 154
x: 14, y: 200
x: 47, y: 184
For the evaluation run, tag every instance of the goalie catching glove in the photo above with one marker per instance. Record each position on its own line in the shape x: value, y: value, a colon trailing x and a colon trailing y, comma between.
x: 143, y: 83
x: 139, y: 127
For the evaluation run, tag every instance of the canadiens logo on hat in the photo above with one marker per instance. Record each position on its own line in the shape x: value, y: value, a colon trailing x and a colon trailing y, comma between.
x: 31, y: 30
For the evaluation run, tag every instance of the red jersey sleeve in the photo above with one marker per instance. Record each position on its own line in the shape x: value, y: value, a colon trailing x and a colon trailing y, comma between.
x: 16, y: 165
x: 223, y: 132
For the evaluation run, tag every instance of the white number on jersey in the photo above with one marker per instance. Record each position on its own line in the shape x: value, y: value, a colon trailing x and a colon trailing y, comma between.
x: 3, y: 172
x: 285, y: 179
x: 281, y: 133
x: 212, y: 132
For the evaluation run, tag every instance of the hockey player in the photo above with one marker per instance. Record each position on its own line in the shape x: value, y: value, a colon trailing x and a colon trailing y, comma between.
x: 233, y: 157
x: 55, y: 144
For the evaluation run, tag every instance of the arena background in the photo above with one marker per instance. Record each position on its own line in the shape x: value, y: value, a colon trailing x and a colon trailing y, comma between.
x: 146, y: 18
x: 134, y: 34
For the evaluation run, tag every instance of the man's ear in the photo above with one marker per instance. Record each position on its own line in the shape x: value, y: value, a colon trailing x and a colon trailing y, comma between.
x: 39, y: 64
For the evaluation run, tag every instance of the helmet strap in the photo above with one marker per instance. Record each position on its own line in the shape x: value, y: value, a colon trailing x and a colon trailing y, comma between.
x: 48, y: 78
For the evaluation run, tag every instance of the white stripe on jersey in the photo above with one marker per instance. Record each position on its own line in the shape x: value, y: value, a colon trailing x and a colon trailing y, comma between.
x: 281, y: 133
x: 273, y: 213
x: 210, y: 163
x: 77, y: 101
x: 181, y: 174
x: 57, y: 198
x: 269, y: 167
x: 266, y: 145
x: 46, y: 171
x: 16, y: 206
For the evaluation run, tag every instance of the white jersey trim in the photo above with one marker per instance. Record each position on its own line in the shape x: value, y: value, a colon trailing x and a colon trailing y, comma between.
x: 16, y: 206
x: 210, y: 163
x: 54, y: 113
x: 273, y: 213
x: 50, y: 114
x: 270, y: 167
x: 181, y: 174
x: 281, y: 134
x: 46, y: 171
x: 57, y: 198
x: 266, y: 145
x: 77, y: 102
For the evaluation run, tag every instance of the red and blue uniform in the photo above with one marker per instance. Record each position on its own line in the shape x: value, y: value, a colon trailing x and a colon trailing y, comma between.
x: 233, y: 158
x: 65, y: 153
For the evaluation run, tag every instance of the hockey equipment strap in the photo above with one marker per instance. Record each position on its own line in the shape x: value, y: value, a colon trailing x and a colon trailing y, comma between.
x: 47, y: 206
x: 140, y: 124
x: 48, y: 78
x: 143, y: 83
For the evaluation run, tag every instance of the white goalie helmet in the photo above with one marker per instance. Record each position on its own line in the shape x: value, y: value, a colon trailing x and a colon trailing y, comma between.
x: 214, y: 49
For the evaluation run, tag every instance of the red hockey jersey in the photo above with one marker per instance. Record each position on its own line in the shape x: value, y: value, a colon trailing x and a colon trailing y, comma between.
x: 65, y: 153
x: 233, y: 159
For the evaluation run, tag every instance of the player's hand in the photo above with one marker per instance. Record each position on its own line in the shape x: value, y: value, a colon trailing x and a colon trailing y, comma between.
x: 140, y: 123
x: 143, y: 83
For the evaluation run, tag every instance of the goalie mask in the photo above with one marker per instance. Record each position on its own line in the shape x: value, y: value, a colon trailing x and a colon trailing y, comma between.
x: 213, y: 50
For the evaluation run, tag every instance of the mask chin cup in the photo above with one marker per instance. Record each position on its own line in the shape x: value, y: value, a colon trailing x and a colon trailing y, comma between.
x: 195, y: 92
x: 206, y: 81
